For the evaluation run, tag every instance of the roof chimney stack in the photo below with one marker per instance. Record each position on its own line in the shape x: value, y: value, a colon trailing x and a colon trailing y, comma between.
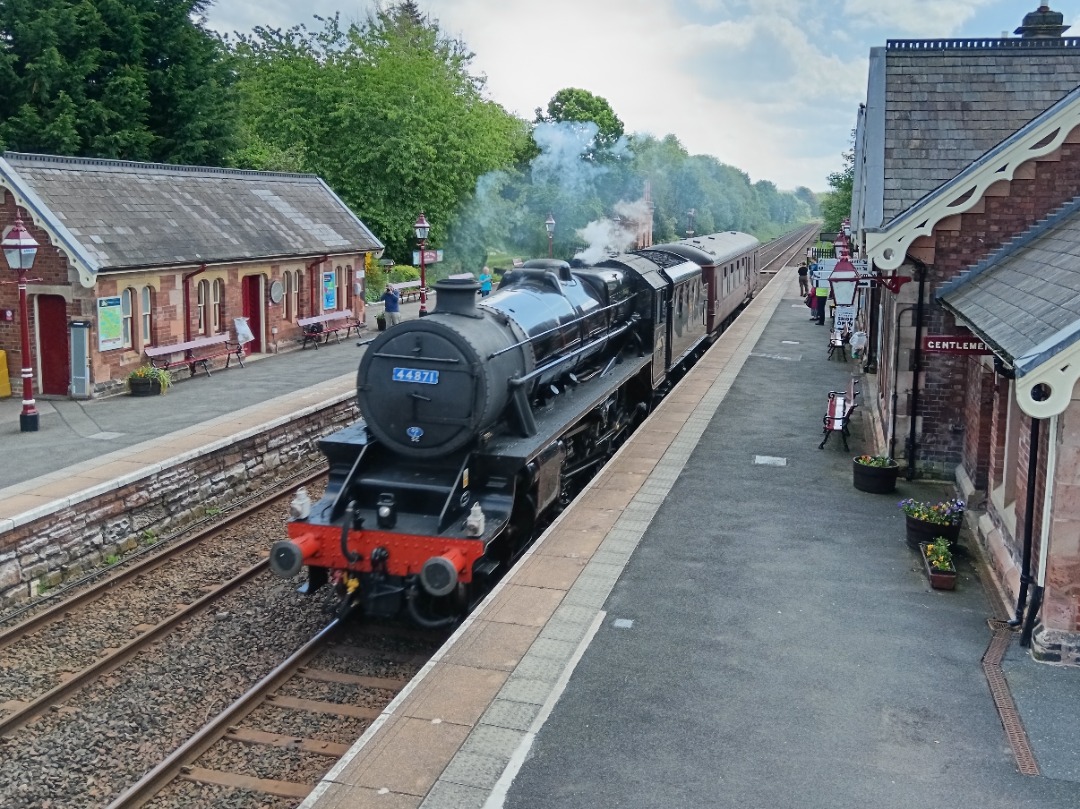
x: 1042, y: 23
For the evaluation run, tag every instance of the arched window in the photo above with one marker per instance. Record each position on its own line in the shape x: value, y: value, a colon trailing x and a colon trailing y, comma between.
x: 127, y: 301
x: 203, y: 299
x: 219, y: 306
x: 290, y: 310
x: 146, y: 311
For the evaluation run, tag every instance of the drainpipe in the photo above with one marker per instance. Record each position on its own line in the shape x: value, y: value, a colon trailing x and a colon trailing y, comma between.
x: 1029, y: 524
x: 1028, y: 623
x: 186, y: 287
x: 870, y: 361
x: 895, y: 382
x: 312, y: 286
x: 918, y: 367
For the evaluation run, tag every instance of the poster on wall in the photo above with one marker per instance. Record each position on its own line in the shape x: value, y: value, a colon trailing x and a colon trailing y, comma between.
x: 110, y: 324
x: 329, y: 291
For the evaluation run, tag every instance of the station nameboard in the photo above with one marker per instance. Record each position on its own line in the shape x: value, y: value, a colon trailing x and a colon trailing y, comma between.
x: 954, y: 344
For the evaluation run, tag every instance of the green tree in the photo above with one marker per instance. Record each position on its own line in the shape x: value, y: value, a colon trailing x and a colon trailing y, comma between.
x: 135, y: 79
x: 387, y: 112
x: 804, y: 194
x: 836, y: 204
x: 571, y: 105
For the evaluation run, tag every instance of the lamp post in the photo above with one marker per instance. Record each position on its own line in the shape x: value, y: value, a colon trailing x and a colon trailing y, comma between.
x: 844, y: 281
x: 421, y: 228
x: 690, y: 223
x: 549, y: 226
x: 20, y: 250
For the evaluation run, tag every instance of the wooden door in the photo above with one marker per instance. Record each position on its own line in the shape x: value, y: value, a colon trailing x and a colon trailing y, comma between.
x: 52, y: 333
x: 253, y: 311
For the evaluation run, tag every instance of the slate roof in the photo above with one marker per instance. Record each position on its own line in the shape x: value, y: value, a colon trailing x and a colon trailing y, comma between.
x: 125, y: 214
x: 1024, y: 300
x: 947, y: 102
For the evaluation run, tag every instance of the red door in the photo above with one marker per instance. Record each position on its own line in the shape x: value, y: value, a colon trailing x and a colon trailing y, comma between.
x: 253, y: 311
x: 52, y: 332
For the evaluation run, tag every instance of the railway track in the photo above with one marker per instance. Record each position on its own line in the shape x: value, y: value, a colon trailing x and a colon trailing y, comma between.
x: 188, y: 688
x: 121, y: 677
x: 53, y: 627
x: 205, y: 761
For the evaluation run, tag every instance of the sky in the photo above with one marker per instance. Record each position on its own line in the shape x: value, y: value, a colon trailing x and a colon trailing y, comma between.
x: 771, y: 87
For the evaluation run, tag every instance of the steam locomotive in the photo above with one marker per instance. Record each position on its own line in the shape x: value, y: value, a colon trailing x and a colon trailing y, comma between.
x: 483, y: 420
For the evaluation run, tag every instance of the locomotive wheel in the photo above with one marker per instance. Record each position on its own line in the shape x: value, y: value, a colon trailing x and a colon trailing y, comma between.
x: 436, y: 612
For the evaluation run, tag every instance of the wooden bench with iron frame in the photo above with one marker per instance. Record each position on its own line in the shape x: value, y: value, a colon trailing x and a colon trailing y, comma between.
x: 198, y: 352
x: 838, y: 410
x: 324, y: 325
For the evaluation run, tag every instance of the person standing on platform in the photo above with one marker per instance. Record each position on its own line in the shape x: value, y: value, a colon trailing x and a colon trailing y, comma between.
x: 804, y: 284
x: 391, y: 306
x: 485, y: 282
x: 821, y: 298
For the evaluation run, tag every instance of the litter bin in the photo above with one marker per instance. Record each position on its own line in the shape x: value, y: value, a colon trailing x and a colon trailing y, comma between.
x: 5, y: 380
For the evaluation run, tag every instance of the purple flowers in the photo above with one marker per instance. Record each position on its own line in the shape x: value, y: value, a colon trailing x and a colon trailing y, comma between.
x: 947, y: 512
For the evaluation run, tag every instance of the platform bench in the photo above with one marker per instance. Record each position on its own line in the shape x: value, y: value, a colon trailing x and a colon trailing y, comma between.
x: 838, y: 410
x: 838, y: 341
x: 195, y: 353
x: 407, y: 290
x: 316, y: 326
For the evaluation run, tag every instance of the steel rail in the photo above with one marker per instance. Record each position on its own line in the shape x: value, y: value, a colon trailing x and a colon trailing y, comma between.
x: 164, y: 773
x: 122, y: 655
x: 149, y: 565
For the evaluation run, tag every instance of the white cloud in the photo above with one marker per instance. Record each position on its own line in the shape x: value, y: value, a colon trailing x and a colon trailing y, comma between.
x: 771, y: 87
x: 922, y: 18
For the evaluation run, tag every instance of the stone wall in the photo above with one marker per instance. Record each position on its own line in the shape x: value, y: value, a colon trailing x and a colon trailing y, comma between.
x: 73, y: 540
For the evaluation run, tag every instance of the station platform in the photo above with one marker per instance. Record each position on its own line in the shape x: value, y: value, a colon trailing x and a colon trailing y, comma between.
x: 721, y: 619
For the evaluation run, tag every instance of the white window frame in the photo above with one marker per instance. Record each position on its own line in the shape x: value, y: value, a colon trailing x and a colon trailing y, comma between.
x: 146, y: 315
x: 201, y: 295
x: 218, y: 301
x: 127, y: 302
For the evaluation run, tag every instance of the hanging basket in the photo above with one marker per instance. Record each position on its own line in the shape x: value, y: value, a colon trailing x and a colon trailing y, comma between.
x: 875, y: 479
x: 923, y: 532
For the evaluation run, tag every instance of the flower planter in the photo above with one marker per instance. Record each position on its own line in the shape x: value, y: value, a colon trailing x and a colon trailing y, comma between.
x: 874, y: 479
x: 144, y: 387
x: 939, y: 579
x: 921, y: 531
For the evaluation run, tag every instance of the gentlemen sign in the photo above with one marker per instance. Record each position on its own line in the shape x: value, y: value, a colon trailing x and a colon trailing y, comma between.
x: 954, y: 344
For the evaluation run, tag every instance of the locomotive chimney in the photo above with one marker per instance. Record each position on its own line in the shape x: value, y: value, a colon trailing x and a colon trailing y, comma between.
x: 1042, y: 23
x: 456, y: 296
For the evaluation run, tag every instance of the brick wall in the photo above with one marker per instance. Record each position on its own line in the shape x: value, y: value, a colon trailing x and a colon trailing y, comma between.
x: 70, y: 542
x: 50, y: 269
x: 109, y: 369
x: 1008, y: 209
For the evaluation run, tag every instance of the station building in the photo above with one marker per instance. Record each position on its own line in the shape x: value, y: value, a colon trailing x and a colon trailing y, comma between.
x: 967, y: 182
x: 133, y: 255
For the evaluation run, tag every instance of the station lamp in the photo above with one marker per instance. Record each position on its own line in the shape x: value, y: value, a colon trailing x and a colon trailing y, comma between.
x: 20, y: 250
x: 422, y: 228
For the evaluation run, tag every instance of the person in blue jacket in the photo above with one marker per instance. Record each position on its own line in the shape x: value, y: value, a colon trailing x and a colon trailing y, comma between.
x: 391, y: 306
x: 485, y: 282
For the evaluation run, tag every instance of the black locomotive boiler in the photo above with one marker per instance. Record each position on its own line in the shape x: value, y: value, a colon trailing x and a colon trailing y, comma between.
x: 484, y: 419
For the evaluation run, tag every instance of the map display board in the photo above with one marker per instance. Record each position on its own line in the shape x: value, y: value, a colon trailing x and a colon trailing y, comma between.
x: 110, y: 324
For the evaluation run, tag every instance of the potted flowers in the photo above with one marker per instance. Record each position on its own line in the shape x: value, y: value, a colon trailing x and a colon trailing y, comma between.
x: 875, y: 473
x: 938, y: 562
x: 146, y: 380
x: 926, y: 521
